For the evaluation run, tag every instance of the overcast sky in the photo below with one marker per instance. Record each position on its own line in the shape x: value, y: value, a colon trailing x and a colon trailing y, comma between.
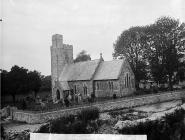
x: 91, y: 25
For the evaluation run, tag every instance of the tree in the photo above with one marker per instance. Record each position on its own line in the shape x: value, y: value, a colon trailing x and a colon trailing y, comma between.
x: 15, y: 81
x: 34, y: 78
x: 82, y: 56
x: 166, y: 45
x: 132, y: 45
x: 46, y: 83
x: 4, y: 79
x: 19, y: 81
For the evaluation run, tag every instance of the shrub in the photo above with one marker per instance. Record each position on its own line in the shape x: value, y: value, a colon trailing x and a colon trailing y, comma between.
x: 44, y: 129
x: 176, y: 116
x: 88, y: 114
x: 69, y: 124
x: 62, y: 125
x: 169, y: 128
x: 78, y: 127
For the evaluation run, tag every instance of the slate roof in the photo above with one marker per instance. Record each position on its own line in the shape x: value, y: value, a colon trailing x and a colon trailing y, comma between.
x: 79, y: 71
x: 95, y: 69
x: 109, y: 70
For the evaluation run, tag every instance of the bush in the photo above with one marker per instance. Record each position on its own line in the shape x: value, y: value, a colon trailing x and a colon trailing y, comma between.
x: 62, y: 125
x: 169, y: 128
x: 44, y: 129
x: 88, y: 114
x: 70, y: 124
x: 78, y: 127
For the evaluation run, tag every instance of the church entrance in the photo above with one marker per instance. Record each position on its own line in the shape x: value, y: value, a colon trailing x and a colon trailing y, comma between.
x: 58, y: 94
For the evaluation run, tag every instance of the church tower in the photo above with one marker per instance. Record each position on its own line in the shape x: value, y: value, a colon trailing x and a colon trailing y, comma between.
x: 61, y: 54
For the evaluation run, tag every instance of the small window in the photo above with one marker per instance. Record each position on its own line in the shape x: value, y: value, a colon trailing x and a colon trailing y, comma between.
x: 109, y: 85
x: 112, y: 85
x: 97, y: 86
x: 75, y: 89
x: 127, y: 80
x: 85, y: 90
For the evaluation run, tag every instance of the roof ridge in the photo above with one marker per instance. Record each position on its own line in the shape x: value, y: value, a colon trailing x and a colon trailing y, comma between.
x: 85, y: 61
x: 115, y: 60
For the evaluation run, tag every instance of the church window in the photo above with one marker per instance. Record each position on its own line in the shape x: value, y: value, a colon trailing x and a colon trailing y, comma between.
x: 127, y: 80
x: 97, y: 86
x: 85, y: 90
x: 111, y: 85
x: 58, y: 94
x: 75, y: 89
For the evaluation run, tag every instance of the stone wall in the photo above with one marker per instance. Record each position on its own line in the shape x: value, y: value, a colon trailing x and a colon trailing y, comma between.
x: 104, y: 89
x: 105, y: 106
x: 80, y: 87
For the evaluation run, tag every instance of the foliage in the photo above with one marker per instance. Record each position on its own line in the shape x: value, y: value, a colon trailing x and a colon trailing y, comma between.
x: 169, y: 129
x: 88, y: 114
x: 131, y: 44
x: 82, y: 56
x: 181, y: 72
x: 20, y: 81
x: 79, y: 127
x: 166, y: 47
x: 46, y: 83
x: 62, y: 125
x: 34, y: 81
x: 71, y: 124
x: 44, y: 128
x: 153, y: 51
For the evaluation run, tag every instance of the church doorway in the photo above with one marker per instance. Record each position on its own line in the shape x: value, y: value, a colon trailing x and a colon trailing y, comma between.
x: 58, y: 94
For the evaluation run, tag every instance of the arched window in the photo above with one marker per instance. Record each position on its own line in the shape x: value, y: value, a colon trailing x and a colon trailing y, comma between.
x: 97, y: 86
x: 109, y: 85
x: 127, y: 80
x: 58, y: 94
x: 112, y: 85
x: 75, y: 89
x: 85, y: 90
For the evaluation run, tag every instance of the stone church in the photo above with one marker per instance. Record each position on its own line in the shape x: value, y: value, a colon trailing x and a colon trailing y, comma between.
x: 98, y: 77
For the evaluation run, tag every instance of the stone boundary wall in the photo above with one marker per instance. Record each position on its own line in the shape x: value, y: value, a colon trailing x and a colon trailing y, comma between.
x: 107, y: 106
